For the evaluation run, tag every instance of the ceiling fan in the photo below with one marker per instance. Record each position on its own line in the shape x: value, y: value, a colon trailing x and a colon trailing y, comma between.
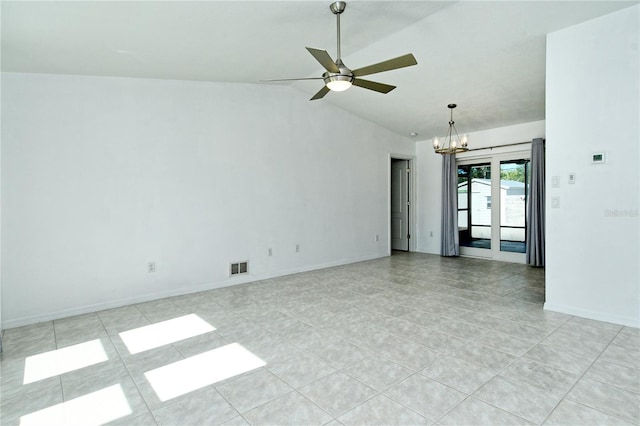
x: 339, y: 78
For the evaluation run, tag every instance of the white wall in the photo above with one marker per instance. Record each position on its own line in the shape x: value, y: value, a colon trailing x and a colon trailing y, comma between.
x: 593, y: 102
x: 102, y: 175
x: 1, y: 323
x: 429, y: 169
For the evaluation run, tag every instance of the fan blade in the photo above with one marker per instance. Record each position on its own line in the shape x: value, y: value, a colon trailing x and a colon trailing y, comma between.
x: 320, y: 93
x: 325, y: 59
x: 392, y: 64
x: 373, y: 85
x: 291, y: 79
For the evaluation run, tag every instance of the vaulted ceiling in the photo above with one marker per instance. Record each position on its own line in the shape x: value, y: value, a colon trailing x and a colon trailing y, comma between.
x: 488, y: 57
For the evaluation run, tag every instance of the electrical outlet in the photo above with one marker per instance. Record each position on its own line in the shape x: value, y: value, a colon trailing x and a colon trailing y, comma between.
x: 431, y: 234
x: 151, y: 267
x: 297, y: 248
x: 270, y: 252
x: 598, y: 158
x: 377, y: 237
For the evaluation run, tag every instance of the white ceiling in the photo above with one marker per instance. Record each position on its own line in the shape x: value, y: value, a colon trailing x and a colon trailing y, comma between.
x: 488, y: 57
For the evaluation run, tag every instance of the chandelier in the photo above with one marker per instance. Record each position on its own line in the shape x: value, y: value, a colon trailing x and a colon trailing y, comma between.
x: 452, y: 143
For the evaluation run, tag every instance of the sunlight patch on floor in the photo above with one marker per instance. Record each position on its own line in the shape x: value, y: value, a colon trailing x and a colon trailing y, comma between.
x: 96, y: 408
x: 201, y: 370
x: 60, y: 361
x: 164, y: 333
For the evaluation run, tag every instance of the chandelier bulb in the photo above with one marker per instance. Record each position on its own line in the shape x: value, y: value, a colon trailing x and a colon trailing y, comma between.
x: 436, y: 143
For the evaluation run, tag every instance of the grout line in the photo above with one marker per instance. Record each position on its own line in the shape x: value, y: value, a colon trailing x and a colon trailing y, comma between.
x: 315, y: 299
x: 55, y: 339
x: 581, y: 376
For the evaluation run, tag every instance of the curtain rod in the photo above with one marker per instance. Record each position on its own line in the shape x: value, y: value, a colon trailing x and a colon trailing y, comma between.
x: 498, y: 146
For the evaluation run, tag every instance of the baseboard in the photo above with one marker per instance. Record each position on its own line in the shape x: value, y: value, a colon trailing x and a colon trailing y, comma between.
x: 85, y: 309
x: 506, y: 259
x: 594, y: 315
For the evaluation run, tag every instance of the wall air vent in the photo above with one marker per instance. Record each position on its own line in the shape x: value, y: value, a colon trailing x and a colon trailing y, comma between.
x: 237, y: 268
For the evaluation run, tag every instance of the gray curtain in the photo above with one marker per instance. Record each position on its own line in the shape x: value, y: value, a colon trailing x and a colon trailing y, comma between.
x: 535, y: 209
x: 450, y: 242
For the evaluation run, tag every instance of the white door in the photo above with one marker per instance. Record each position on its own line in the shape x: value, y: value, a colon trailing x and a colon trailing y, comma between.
x: 495, y: 220
x: 400, y: 204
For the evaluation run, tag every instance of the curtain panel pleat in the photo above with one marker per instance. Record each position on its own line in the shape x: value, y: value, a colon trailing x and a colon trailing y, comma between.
x: 450, y: 241
x: 535, y: 209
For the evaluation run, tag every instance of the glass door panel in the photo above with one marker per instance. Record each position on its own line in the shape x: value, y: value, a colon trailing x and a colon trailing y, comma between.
x: 514, y: 188
x: 474, y: 205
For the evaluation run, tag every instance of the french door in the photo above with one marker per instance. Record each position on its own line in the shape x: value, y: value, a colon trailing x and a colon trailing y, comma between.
x: 492, y: 200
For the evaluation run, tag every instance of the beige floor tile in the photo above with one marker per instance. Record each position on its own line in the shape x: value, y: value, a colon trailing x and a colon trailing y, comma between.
x: 545, y: 377
x: 377, y: 373
x: 484, y: 356
x: 572, y: 413
x: 253, y: 390
x: 300, y: 370
x: 337, y: 393
x: 290, y: 409
x: 609, y: 399
x: 425, y: 396
x: 475, y: 412
x: 559, y: 358
x: 206, y: 406
x: 458, y: 374
x: 615, y: 375
x: 426, y: 331
x: 518, y: 398
x: 381, y: 410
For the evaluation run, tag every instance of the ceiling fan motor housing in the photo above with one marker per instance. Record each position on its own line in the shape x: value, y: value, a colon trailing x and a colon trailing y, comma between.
x: 345, y: 73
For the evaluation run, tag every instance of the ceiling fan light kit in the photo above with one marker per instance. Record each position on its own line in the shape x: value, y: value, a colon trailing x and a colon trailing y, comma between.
x: 452, y: 145
x: 338, y: 83
x: 338, y: 77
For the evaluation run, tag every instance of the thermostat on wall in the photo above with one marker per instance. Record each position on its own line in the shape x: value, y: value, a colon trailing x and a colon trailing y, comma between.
x: 598, y: 158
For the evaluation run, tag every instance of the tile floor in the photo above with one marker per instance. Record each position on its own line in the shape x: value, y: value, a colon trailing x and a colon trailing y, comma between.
x: 407, y: 340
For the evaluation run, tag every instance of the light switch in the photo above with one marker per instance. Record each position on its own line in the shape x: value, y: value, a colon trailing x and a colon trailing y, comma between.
x: 555, y: 202
x: 555, y: 181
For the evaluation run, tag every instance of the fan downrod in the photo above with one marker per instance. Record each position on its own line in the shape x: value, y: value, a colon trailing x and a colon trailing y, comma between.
x: 337, y: 7
x: 338, y: 77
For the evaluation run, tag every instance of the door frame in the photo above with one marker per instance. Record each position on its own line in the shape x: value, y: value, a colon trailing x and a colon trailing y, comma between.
x: 412, y: 199
x: 494, y: 252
